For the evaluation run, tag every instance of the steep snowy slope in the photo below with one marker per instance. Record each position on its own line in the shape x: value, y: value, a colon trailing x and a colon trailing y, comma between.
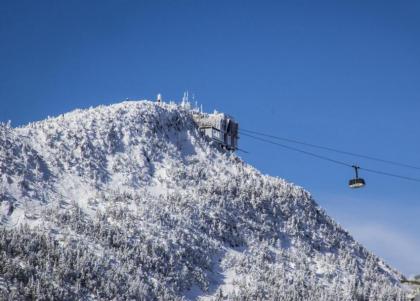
x: 129, y: 201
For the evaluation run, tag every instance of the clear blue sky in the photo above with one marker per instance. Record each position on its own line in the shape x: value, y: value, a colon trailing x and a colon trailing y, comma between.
x: 344, y: 74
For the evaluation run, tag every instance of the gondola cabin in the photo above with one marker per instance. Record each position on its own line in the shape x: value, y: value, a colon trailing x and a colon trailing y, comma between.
x: 356, y: 182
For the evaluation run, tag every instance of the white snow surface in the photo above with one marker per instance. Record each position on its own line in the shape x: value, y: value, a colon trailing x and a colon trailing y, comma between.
x: 162, y: 212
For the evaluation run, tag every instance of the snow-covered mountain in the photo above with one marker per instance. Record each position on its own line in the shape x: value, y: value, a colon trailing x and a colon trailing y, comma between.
x: 131, y: 202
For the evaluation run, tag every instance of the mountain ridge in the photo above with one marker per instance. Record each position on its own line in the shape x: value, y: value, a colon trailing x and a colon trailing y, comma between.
x: 163, y: 214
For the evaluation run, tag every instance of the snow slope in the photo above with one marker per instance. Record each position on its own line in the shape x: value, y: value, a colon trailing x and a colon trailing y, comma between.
x: 130, y: 202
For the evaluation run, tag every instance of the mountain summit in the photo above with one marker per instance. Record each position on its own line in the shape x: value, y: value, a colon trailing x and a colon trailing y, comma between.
x: 132, y: 202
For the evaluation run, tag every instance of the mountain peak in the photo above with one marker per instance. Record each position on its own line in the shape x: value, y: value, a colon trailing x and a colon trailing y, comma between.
x: 133, y: 201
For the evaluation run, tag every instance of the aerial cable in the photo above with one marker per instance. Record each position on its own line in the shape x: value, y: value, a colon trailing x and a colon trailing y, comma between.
x: 330, y: 159
x: 331, y: 149
x: 389, y: 174
x: 242, y: 150
x: 299, y: 150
